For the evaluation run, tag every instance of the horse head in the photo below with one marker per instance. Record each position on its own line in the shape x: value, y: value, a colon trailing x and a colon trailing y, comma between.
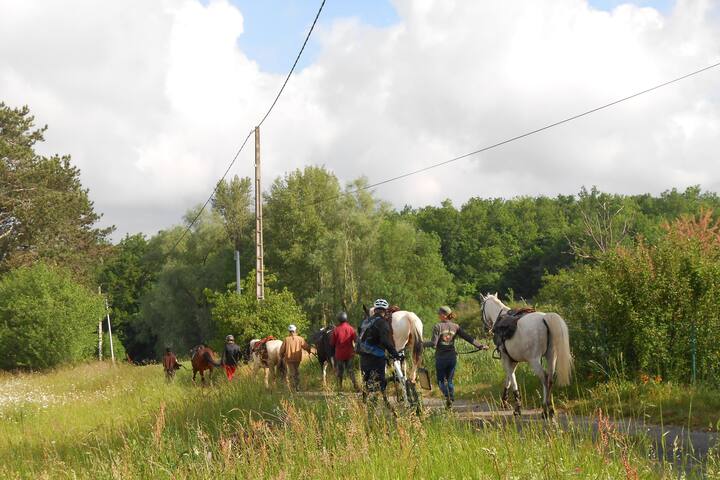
x: 490, y: 309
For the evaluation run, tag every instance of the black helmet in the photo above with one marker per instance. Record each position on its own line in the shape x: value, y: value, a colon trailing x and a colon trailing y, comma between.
x: 342, y: 317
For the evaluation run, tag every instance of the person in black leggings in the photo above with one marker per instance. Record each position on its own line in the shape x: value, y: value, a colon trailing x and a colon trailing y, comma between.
x: 443, y: 341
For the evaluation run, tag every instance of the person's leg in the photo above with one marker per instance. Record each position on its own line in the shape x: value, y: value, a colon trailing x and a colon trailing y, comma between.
x: 441, y: 373
x: 339, y: 372
x: 450, y: 375
x: 351, y: 373
x: 296, y: 376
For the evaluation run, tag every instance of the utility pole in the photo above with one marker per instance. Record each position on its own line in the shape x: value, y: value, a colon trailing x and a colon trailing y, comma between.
x: 238, y: 288
x: 259, y: 264
x: 107, y: 316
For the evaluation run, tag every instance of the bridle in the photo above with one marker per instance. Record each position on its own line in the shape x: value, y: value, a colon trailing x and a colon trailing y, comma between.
x: 489, y: 325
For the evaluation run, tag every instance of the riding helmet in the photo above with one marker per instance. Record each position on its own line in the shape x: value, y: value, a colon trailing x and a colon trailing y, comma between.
x: 229, y: 338
x: 342, y: 317
x: 381, y: 303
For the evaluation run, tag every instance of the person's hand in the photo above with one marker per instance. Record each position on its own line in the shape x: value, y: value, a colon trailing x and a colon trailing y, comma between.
x: 480, y: 346
x: 400, y: 356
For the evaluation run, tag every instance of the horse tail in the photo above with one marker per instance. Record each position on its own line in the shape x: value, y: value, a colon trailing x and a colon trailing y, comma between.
x: 560, y: 338
x: 209, y: 358
x: 416, y: 330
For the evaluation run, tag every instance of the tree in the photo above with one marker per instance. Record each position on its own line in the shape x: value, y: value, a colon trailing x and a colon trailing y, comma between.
x: 125, y: 277
x: 246, y: 318
x: 44, y: 210
x: 47, y: 318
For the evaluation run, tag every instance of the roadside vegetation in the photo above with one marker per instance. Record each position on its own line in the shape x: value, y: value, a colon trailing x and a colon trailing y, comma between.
x: 126, y: 422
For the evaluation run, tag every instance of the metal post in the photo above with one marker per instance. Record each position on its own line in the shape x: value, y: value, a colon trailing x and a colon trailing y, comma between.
x: 238, y: 288
x: 107, y: 313
x: 259, y: 264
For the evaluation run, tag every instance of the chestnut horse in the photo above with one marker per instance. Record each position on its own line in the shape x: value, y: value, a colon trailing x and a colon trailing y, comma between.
x: 203, y: 358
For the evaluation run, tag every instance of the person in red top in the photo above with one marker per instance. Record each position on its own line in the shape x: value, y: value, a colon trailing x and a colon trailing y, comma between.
x: 343, y: 341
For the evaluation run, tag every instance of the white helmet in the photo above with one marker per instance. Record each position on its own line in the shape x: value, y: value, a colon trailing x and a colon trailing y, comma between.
x: 381, y: 303
x: 292, y: 328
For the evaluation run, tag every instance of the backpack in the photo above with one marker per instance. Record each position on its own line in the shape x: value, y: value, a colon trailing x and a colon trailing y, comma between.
x: 362, y: 346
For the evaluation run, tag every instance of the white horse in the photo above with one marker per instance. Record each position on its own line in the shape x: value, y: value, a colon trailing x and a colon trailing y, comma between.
x: 407, y: 332
x: 538, y: 334
x: 273, y: 360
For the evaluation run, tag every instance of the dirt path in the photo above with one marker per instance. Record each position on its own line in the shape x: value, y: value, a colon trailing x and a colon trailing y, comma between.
x: 671, y: 442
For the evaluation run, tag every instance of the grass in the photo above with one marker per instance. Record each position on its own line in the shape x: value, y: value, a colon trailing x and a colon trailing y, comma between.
x: 126, y: 422
x: 480, y: 377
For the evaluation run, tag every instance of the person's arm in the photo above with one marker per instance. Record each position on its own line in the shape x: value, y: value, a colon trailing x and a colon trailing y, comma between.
x: 432, y: 343
x: 222, y: 357
x: 475, y: 343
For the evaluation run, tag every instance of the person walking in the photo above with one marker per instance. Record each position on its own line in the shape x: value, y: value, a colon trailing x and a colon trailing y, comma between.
x: 375, y: 340
x: 443, y: 341
x: 342, y: 340
x: 291, y: 353
x: 230, y: 357
x: 170, y: 364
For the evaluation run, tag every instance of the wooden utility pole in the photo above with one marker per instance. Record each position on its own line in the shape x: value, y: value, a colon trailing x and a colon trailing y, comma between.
x: 259, y: 264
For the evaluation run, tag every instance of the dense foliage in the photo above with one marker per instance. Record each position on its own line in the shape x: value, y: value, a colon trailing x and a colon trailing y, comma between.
x: 44, y: 211
x: 246, y: 318
x: 649, y: 308
x: 47, y: 318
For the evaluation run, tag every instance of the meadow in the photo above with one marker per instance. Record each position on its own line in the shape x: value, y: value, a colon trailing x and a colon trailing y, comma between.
x: 98, y: 421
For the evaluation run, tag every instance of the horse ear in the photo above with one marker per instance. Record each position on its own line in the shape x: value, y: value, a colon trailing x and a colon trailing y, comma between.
x: 496, y: 294
x: 365, y: 309
x: 482, y: 296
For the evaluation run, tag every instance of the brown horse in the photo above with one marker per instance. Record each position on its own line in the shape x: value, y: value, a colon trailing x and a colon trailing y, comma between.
x: 203, y: 358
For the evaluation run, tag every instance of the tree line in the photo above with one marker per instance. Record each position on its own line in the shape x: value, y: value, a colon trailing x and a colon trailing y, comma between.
x: 332, y: 246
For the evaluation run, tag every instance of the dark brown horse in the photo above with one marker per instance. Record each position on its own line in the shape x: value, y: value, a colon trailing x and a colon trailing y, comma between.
x: 203, y: 358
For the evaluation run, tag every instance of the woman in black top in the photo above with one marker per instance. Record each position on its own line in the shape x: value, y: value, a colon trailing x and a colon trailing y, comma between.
x: 443, y: 341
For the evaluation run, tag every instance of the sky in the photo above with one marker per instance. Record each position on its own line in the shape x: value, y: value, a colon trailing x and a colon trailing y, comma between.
x: 153, y: 98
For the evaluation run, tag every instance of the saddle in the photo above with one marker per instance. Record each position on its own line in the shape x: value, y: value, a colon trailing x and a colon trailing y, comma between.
x: 260, y: 348
x: 506, y: 325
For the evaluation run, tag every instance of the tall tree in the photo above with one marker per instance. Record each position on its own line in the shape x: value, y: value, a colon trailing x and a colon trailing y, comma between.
x: 232, y: 202
x: 44, y: 210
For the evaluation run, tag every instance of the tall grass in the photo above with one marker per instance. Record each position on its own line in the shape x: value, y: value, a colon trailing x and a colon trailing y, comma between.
x: 126, y: 422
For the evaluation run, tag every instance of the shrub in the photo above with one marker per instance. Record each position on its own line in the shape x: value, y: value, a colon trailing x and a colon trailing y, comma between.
x: 648, y: 308
x: 246, y: 318
x: 46, y: 318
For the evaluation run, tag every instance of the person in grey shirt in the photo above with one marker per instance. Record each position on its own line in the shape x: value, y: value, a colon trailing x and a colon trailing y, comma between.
x: 443, y: 341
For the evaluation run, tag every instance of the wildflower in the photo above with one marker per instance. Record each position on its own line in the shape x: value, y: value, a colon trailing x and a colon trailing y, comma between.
x: 658, y: 379
x: 644, y: 378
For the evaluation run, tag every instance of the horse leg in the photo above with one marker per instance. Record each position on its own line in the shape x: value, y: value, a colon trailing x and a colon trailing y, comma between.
x: 540, y: 373
x: 266, y: 374
x: 551, y: 362
x: 194, y: 373
x: 323, y: 367
x: 511, y: 366
x: 508, y: 381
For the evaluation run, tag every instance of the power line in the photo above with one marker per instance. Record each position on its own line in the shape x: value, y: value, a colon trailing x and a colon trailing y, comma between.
x: 272, y: 106
x: 521, y: 136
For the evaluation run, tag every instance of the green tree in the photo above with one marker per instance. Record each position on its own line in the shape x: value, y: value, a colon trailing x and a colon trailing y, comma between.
x: 45, y: 213
x: 125, y: 277
x: 47, y: 318
x: 246, y: 318
x: 175, y: 311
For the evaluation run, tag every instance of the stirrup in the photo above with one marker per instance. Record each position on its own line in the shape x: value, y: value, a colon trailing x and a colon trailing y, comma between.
x: 499, y: 354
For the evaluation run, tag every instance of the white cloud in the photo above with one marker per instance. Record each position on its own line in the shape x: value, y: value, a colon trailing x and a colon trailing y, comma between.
x: 152, y: 99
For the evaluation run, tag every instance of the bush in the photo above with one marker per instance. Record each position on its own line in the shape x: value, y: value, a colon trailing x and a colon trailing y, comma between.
x: 46, y: 318
x: 118, y: 347
x: 246, y: 318
x: 648, y: 308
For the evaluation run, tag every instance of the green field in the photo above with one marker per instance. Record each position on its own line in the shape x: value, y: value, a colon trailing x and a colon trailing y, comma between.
x: 99, y: 421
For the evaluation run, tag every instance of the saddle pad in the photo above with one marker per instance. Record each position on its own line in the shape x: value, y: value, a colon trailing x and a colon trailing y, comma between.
x: 424, y: 378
